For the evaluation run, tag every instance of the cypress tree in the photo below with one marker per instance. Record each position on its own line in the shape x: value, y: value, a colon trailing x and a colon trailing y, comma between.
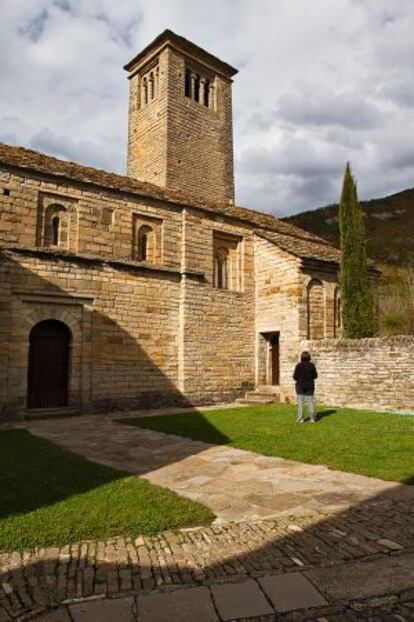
x: 356, y: 297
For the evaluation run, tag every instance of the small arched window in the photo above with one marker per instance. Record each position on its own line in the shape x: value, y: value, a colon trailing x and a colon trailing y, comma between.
x: 145, y: 244
x: 55, y: 227
x: 221, y: 269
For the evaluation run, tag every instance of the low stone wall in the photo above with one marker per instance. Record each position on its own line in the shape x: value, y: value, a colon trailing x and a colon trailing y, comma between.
x: 366, y: 373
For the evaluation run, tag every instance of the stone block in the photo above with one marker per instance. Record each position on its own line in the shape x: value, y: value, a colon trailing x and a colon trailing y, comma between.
x: 103, y: 610
x: 291, y: 591
x: 184, y: 605
x: 57, y: 615
x: 240, y: 600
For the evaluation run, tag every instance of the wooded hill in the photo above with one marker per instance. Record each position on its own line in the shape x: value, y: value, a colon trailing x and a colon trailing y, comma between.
x: 389, y: 226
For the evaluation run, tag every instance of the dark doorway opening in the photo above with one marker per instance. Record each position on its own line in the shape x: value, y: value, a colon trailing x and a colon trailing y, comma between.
x: 48, y: 369
x: 274, y: 359
x: 269, y: 358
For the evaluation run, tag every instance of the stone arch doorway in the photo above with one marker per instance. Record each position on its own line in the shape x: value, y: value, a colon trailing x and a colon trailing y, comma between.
x: 48, y: 368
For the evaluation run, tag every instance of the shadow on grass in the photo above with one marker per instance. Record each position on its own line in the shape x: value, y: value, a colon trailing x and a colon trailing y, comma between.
x: 192, y: 425
x: 321, y: 414
x: 35, y: 473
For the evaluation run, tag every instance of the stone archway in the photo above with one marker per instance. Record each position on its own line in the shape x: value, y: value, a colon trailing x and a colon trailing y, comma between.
x: 48, y: 365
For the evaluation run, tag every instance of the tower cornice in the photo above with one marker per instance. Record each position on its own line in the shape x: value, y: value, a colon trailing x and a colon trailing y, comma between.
x: 168, y: 38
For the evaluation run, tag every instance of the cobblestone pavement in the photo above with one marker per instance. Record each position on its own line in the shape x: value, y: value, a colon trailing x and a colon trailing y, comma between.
x: 234, y: 484
x: 355, y: 565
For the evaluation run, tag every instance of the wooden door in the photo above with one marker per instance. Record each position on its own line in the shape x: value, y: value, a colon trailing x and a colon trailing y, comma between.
x: 48, y: 369
x: 274, y: 345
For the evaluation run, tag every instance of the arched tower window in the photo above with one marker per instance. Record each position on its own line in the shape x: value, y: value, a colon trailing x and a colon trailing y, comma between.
x: 197, y: 88
x: 145, y: 91
x: 315, y: 310
x: 206, y: 93
x: 151, y: 86
x: 187, y: 84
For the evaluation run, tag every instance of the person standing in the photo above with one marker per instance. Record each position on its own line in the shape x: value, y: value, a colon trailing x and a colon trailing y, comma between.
x: 305, y: 375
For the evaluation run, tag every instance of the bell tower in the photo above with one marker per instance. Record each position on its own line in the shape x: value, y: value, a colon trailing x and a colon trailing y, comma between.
x: 180, y: 120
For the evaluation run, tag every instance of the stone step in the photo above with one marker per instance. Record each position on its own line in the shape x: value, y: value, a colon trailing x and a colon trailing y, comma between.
x: 255, y: 400
x: 51, y: 413
x: 269, y: 389
x: 261, y: 394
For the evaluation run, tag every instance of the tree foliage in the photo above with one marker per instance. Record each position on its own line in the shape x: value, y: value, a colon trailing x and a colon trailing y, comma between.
x: 356, y: 296
x: 396, y: 300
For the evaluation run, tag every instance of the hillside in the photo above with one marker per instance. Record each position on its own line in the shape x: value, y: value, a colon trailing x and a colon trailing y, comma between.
x: 389, y: 225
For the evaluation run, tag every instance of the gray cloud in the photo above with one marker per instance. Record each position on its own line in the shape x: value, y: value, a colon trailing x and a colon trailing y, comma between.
x: 347, y: 109
x: 318, y: 86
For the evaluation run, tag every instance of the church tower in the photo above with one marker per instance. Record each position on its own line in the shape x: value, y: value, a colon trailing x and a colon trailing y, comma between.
x: 180, y: 119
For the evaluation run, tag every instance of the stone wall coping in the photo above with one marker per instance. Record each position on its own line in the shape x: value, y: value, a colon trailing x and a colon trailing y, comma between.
x: 354, y: 344
x: 47, y: 253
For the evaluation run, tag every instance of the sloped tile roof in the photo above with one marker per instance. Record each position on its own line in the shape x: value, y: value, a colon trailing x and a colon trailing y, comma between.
x: 292, y: 239
x: 303, y: 248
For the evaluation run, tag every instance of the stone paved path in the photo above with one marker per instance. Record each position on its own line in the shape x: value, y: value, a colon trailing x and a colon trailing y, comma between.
x: 235, y: 484
x: 333, y: 547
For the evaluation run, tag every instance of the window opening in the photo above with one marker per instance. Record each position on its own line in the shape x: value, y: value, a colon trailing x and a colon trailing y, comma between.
x: 55, y: 230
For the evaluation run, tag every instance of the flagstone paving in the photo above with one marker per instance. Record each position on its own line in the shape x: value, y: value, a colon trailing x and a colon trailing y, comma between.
x: 332, y: 547
x: 235, y: 484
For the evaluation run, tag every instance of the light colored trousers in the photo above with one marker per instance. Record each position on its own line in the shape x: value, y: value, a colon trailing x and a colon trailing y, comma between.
x: 310, y: 403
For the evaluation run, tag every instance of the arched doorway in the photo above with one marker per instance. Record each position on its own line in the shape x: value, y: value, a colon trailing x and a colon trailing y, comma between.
x: 48, y: 370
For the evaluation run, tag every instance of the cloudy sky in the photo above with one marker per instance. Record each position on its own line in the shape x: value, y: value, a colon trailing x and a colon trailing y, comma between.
x: 321, y: 82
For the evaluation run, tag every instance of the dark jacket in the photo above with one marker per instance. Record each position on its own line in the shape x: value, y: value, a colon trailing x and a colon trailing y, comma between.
x: 305, y: 374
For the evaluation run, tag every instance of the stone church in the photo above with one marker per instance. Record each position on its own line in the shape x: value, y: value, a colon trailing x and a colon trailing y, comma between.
x: 153, y: 288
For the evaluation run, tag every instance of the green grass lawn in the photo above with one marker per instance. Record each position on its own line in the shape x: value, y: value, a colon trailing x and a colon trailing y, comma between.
x: 376, y: 444
x: 49, y: 496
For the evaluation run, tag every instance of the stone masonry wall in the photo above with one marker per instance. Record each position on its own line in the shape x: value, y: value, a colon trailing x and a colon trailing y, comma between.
x: 217, y: 325
x: 147, y: 130
x: 200, y: 139
x: 178, y: 143
x: 365, y: 373
x: 124, y: 350
x: 141, y: 334
x: 278, y: 291
x: 105, y: 219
